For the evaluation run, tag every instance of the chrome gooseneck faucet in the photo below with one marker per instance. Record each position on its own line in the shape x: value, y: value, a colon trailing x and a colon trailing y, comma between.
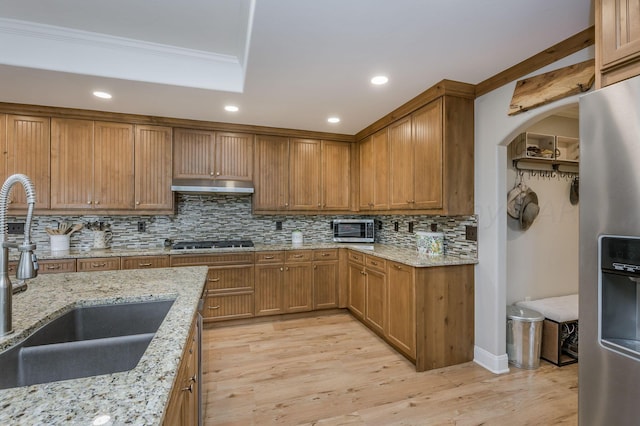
x: 28, y: 264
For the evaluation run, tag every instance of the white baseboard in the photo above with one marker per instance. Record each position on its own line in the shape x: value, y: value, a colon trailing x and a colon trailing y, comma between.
x: 498, y: 364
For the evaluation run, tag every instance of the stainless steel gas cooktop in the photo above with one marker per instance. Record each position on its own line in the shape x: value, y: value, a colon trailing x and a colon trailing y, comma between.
x: 186, y: 245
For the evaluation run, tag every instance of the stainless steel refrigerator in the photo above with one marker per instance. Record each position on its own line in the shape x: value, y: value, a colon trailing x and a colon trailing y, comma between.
x: 609, y: 317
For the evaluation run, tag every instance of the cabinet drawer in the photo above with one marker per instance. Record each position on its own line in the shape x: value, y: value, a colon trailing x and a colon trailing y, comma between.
x: 270, y: 257
x: 98, y: 264
x: 54, y: 266
x: 211, y: 259
x: 355, y: 257
x: 330, y: 254
x: 237, y: 305
x: 375, y: 263
x: 229, y: 278
x: 299, y: 256
x: 145, y: 262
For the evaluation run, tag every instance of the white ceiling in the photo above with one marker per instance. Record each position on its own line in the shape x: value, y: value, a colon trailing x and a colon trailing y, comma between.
x: 285, y: 63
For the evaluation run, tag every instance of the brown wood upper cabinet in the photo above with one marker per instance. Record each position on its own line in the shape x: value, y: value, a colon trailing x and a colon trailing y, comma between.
x: 430, y: 156
x: 271, y: 174
x: 92, y: 165
x: 26, y: 149
x: 301, y: 175
x: 153, y: 169
x: 110, y: 166
x: 617, y: 40
x: 416, y: 159
x: 204, y: 154
x: 374, y: 172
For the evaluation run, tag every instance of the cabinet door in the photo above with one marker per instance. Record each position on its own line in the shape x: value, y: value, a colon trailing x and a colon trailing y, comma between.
x: 269, y: 286
x: 228, y: 306
x: 427, y: 144
x: 401, y: 165
x: 400, y: 325
x: 98, y: 264
x: 375, y: 299
x: 356, y: 290
x: 380, y: 178
x: 153, y: 168
x: 271, y: 173
x: 113, y: 166
x: 193, y: 153
x: 325, y: 285
x: 367, y: 173
x: 28, y: 152
x: 144, y: 262
x: 304, y: 174
x: 229, y: 278
x: 336, y: 180
x: 71, y: 164
x: 234, y: 156
x: 298, y: 287
x: 620, y: 31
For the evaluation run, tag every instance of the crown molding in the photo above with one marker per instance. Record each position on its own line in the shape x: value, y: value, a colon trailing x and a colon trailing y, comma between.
x: 34, y: 45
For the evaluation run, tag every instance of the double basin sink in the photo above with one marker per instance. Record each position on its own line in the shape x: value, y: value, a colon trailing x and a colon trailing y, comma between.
x: 86, y: 341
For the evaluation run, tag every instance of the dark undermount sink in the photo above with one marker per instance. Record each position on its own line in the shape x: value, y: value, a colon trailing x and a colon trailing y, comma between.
x: 86, y: 341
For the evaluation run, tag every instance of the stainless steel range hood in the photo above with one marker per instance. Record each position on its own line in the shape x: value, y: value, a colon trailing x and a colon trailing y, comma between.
x: 210, y: 186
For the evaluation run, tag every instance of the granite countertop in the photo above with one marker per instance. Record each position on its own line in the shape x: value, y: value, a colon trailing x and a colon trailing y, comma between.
x: 397, y: 254
x: 138, y: 396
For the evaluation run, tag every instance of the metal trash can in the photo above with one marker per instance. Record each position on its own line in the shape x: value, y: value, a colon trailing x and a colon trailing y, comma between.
x: 524, y: 336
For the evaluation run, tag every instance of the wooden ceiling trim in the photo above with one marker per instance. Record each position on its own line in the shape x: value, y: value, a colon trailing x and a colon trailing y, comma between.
x: 548, y: 56
x: 445, y: 87
x: 45, y: 111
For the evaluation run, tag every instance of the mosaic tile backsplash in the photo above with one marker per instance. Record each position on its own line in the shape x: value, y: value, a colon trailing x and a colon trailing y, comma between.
x: 225, y: 217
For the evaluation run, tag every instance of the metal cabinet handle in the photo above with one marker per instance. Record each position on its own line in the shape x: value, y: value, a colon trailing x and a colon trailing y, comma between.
x: 188, y: 388
x: 298, y: 256
x: 53, y: 266
x: 374, y: 263
x: 214, y: 280
x: 315, y: 266
x: 281, y: 269
x: 325, y: 254
x: 98, y: 265
x: 144, y: 264
x: 214, y: 307
x: 269, y: 257
x: 397, y: 267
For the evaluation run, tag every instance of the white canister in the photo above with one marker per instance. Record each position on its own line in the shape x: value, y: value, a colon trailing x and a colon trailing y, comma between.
x: 430, y: 243
x: 296, y: 238
x: 59, y: 242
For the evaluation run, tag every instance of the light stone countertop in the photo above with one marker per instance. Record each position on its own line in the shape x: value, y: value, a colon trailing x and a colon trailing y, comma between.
x: 138, y: 396
x: 397, y: 254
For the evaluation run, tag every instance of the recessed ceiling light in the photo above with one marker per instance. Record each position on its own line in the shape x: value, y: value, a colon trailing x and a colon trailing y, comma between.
x: 231, y: 108
x: 333, y: 120
x: 102, y: 95
x: 379, y: 79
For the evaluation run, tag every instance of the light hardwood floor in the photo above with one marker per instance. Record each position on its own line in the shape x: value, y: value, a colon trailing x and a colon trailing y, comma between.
x: 331, y: 370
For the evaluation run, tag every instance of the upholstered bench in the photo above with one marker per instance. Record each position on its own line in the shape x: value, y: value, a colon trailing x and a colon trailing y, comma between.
x: 559, y: 329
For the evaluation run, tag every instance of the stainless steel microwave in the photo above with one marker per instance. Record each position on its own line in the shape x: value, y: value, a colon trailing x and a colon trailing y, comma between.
x: 354, y: 230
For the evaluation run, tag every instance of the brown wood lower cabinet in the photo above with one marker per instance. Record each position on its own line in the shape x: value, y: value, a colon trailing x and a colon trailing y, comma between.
x: 229, y: 290
x: 326, y: 279
x: 367, y: 290
x: 145, y: 262
x: 98, y: 264
x: 269, y: 279
x: 182, y: 408
x: 400, y: 328
x: 56, y: 266
x: 425, y: 313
